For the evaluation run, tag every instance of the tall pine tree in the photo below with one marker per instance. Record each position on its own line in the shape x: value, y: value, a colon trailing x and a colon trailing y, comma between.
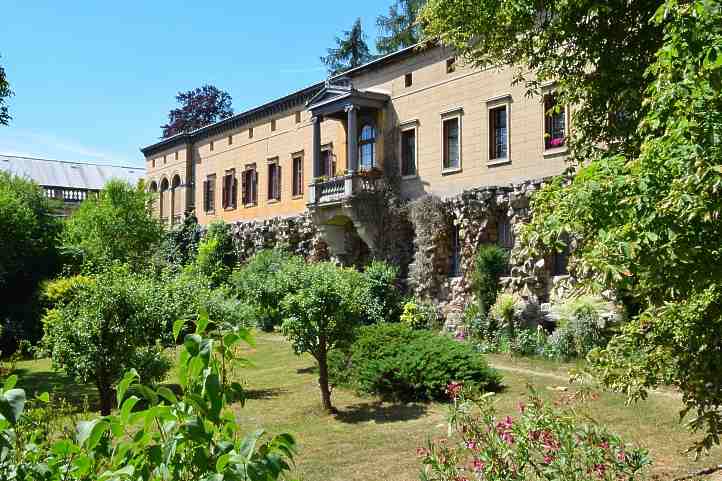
x: 351, y: 51
x: 399, y: 28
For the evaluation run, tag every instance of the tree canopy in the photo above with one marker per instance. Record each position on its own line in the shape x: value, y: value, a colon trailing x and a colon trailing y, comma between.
x: 198, y: 107
x: 642, y: 210
x: 5, y: 93
x: 117, y: 226
x: 351, y: 51
x: 399, y: 29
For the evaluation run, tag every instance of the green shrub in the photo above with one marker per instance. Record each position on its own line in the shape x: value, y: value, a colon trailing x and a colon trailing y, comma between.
x: 216, y: 257
x: 396, y: 362
x: 420, y: 315
x: 580, y: 327
x: 505, y: 311
x: 490, y: 263
x: 264, y: 281
x: 528, y: 342
x: 382, y: 280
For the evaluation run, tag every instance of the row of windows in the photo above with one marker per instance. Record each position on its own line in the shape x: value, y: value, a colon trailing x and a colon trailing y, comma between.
x: 249, y: 185
x: 554, y: 136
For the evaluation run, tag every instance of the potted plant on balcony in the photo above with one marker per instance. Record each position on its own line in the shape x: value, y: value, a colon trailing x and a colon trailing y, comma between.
x: 372, y: 174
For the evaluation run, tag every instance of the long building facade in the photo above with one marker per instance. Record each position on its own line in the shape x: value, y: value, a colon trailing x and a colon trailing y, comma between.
x: 419, y: 116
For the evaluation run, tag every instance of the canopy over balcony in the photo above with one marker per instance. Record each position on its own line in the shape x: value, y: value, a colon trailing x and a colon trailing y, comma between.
x: 340, y: 100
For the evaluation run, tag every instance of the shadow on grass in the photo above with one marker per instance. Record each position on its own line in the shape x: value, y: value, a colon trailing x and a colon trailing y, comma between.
x: 380, y: 412
x: 58, y: 384
x: 307, y: 370
x: 264, y: 393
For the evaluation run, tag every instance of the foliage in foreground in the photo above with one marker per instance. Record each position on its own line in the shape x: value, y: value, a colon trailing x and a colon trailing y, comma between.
x: 28, y: 255
x: 396, y: 362
x: 192, y: 436
x: 644, y: 207
x: 542, y: 443
x: 490, y: 263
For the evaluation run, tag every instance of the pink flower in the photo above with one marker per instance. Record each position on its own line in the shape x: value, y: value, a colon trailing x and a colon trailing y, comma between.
x: 604, y: 445
x: 621, y: 456
x: 479, y: 465
x: 471, y: 445
x: 600, y: 469
x: 521, y: 407
x: 507, y: 437
x: 557, y: 142
x: 453, y: 389
x: 548, y: 459
x: 460, y: 336
x: 421, y: 452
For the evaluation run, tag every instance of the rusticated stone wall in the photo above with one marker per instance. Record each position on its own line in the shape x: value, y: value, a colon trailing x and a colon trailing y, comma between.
x: 296, y: 234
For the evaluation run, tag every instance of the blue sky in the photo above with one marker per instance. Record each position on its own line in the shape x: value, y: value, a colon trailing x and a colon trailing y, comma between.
x: 94, y: 80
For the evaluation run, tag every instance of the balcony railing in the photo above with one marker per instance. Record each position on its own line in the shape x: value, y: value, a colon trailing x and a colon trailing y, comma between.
x: 342, y: 188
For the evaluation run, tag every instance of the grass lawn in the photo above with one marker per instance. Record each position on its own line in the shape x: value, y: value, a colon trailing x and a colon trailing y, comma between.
x: 369, y: 440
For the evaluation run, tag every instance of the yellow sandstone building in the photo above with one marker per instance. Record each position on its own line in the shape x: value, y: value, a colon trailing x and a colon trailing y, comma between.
x: 419, y: 114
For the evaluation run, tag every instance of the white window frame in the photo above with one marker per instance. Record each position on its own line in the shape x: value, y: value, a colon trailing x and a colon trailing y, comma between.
x: 405, y: 127
x: 454, y: 113
x: 492, y: 104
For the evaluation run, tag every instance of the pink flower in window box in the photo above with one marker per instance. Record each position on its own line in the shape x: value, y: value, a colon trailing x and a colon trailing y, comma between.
x: 557, y: 142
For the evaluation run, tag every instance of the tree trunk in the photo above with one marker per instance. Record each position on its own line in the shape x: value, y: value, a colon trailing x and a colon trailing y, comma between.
x: 323, y: 380
x: 107, y: 398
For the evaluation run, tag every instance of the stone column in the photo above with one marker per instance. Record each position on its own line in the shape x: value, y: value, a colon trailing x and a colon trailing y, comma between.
x: 316, y: 120
x: 352, y: 138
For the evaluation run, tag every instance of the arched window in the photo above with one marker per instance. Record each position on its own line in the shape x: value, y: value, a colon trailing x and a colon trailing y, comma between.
x: 153, y: 187
x: 174, y: 201
x: 367, y: 147
x: 163, y: 195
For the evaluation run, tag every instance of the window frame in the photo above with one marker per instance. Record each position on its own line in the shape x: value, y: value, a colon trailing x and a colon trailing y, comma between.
x: 298, y: 117
x: 250, y: 132
x: 250, y: 168
x: 552, y: 150
x: 229, y: 197
x: 274, y: 182
x: 449, y: 115
x: 209, y: 194
x: 274, y: 125
x: 408, y: 79
x: 407, y: 127
x: 492, y: 104
x: 364, y: 142
x: 328, y: 150
x: 211, y: 145
x: 294, y: 157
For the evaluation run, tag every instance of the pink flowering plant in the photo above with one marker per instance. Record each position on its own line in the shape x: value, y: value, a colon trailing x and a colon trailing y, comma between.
x: 541, y: 442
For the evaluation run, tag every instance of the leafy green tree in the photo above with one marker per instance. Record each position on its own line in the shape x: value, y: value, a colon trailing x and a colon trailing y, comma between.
x: 117, y: 226
x: 351, y: 51
x: 155, y: 433
x: 490, y: 263
x: 643, y: 211
x: 110, y: 325
x: 28, y: 231
x: 399, y: 29
x: 322, y: 315
x: 216, y: 255
x: 595, y: 52
x: 5, y: 93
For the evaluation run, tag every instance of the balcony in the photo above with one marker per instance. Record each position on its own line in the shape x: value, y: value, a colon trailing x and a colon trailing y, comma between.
x: 343, y: 188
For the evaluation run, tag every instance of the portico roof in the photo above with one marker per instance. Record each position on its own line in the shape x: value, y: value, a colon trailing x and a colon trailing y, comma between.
x: 338, y: 94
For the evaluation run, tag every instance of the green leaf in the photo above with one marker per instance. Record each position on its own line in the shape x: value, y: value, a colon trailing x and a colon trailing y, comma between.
x: 127, y: 408
x: 202, y: 322
x: 89, y: 432
x: 44, y: 397
x: 10, y: 382
x: 177, y: 326
x: 12, y: 404
x: 124, y: 383
x: 167, y: 394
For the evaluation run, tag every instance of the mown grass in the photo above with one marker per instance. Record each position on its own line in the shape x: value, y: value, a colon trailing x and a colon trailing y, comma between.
x: 371, y: 440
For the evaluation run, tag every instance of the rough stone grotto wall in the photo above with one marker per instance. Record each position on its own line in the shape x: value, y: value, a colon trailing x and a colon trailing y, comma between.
x: 296, y: 234
x: 475, y: 214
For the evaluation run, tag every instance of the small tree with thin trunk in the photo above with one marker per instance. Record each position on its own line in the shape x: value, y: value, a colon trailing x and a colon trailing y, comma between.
x: 323, y: 314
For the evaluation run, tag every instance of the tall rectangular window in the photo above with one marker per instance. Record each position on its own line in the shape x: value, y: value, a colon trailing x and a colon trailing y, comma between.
x: 298, y: 117
x: 408, y: 79
x: 451, y: 65
x: 176, y: 155
x: 274, y: 180
x: 554, y: 122
x: 505, y: 234
x: 328, y: 163
x: 209, y: 193
x: 451, y: 144
x: 230, y: 140
x: 211, y: 146
x: 498, y: 133
x: 297, y: 176
x: 249, y: 180
x: 273, y: 125
x: 250, y: 132
x: 230, y: 189
x: 408, y: 152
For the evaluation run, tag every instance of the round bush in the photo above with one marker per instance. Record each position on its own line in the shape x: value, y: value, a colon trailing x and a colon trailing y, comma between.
x: 396, y: 362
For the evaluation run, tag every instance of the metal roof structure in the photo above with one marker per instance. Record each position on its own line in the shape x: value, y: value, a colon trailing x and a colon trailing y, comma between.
x: 75, y: 175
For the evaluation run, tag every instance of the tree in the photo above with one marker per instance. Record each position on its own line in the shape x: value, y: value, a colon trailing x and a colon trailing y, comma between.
x: 350, y: 52
x: 595, y: 52
x: 198, y: 107
x: 643, y: 208
x: 399, y: 29
x: 5, y: 93
x: 110, y: 325
x: 28, y: 231
x: 321, y: 316
x: 117, y: 226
